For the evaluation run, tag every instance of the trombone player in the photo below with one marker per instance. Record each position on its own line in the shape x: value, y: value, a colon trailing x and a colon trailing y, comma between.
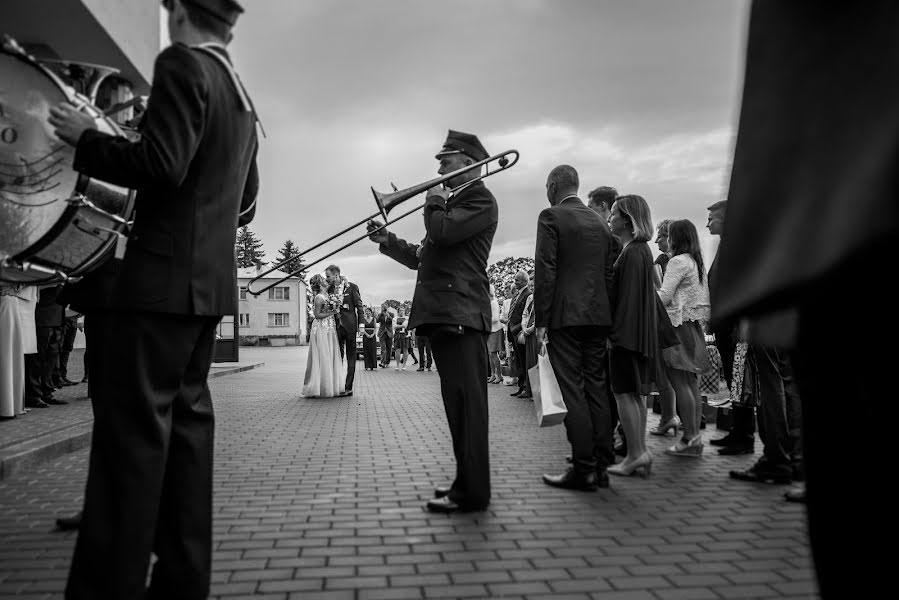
x: 451, y: 306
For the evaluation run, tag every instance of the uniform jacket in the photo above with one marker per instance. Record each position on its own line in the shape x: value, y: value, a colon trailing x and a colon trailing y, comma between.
x: 48, y: 312
x: 194, y: 170
x: 93, y: 292
x: 351, y: 310
x: 572, y: 267
x: 452, y: 286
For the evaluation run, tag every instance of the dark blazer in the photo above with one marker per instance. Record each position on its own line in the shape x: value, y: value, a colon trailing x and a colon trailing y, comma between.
x: 573, y: 267
x: 385, y: 325
x: 194, y: 170
x: 48, y: 312
x: 452, y: 287
x: 351, y: 311
x: 516, y: 311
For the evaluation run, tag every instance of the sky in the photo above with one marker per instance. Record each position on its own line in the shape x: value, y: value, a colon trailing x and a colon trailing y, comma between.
x: 636, y: 94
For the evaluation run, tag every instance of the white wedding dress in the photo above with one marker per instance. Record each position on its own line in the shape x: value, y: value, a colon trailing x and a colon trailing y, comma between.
x: 325, y: 373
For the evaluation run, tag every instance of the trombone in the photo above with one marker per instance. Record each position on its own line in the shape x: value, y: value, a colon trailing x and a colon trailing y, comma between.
x: 386, y: 203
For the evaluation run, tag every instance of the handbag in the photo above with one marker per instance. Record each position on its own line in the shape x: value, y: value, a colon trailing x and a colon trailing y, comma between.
x: 548, y: 402
x: 520, y: 338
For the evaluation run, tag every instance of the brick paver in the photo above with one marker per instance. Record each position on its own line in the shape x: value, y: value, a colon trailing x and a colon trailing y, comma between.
x: 323, y: 499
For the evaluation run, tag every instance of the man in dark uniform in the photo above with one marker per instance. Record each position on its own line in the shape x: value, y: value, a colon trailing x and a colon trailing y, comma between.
x: 451, y: 306
x: 149, y: 486
x: 348, y: 320
x: 48, y: 318
x: 67, y: 344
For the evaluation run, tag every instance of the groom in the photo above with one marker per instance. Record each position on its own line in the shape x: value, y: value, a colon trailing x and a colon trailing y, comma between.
x: 348, y: 320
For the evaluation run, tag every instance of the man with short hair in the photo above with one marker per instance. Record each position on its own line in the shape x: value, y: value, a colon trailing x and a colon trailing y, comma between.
x: 513, y: 329
x: 348, y: 318
x: 150, y: 482
x: 451, y: 306
x: 573, y: 264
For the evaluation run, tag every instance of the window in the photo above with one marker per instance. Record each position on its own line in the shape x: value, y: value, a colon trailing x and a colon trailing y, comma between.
x: 279, y: 293
x: 278, y: 319
x: 244, y: 319
x: 243, y: 293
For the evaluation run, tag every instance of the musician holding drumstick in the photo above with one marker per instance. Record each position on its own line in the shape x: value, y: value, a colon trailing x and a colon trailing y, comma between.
x: 451, y: 306
x: 149, y: 486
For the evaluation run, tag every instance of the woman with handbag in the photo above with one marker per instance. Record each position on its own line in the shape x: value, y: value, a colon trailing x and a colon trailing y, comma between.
x: 685, y: 294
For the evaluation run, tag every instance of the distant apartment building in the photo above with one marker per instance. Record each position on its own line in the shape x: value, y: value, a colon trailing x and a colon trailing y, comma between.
x: 277, y: 317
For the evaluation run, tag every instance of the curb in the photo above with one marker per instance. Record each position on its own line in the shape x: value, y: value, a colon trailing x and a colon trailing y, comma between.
x: 31, y: 452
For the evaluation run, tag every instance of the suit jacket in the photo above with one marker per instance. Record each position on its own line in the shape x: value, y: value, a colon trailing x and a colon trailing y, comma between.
x: 516, y: 311
x: 48, y: 312
x: 351, y: 310
x: 573, y: 267
x: 452, y: 286
x: 194, y: 169
x: 385, y: 325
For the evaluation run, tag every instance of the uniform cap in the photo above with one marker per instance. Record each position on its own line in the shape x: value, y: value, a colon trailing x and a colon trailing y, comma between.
x: 223, y: 10
x: 465, y: 143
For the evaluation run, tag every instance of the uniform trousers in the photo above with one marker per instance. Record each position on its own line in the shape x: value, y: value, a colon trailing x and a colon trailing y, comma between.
x: 578, y: 357
x: 149, y: 486
x: 424, y: 350
x: 461, y: 360
x: 39, y: 366
x: 69, y: 331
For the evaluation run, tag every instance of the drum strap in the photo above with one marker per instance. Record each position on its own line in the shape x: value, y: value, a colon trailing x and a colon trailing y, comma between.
x: 219, y: 53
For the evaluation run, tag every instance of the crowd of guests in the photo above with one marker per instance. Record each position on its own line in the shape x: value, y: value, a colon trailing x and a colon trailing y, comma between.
x: 646, y: 326
x: 37, y: 335
x: 398, y: 343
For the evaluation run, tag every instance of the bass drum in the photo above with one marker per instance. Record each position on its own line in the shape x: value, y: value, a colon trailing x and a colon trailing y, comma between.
x: 55, y: 224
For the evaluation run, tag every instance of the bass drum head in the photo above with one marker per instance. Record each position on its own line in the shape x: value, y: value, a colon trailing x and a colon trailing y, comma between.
x: 36, y: 175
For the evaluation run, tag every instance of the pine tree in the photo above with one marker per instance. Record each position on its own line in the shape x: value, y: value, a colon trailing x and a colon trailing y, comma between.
x: 289, y: 252
x: 248, y: 248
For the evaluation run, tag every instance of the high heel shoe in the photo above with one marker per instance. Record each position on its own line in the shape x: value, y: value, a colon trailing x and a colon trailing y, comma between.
x: 641, y: 466
x: 687, y: 447
x: 663, y: 428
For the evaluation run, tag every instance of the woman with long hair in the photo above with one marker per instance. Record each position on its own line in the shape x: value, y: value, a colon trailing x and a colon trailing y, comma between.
x: 369, y: 341
x: 685, y: 295
x: 635, y: 334
x: 325, y: 372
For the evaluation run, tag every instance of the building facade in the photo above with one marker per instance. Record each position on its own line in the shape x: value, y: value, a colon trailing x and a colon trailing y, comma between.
x: 277, y: 317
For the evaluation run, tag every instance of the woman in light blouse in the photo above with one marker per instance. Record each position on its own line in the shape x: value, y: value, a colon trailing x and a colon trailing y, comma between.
x: 685, y: 294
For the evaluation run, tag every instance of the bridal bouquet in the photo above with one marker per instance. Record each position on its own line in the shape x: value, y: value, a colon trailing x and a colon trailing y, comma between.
x: 335, y: 298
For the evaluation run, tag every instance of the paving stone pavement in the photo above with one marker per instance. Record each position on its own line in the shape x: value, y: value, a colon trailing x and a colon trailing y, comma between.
x: 322, y: 498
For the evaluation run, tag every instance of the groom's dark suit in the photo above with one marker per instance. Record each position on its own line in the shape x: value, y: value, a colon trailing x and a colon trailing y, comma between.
x: 573, y: 270
x: 348, y: 320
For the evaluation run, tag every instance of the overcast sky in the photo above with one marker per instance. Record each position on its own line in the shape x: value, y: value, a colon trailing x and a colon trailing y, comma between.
x: 640, y: 95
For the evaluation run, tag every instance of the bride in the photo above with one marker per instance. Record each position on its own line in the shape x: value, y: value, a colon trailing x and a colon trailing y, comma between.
x: 324, y: 368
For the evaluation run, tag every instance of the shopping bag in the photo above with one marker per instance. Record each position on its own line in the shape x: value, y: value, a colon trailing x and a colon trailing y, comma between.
x: 548, y: 403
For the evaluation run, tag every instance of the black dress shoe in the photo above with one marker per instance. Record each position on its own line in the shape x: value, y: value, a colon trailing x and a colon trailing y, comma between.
x: 55, y: 401
x: 736, y: 450
x: 345, y: 393
x: 35, y: 404
x: 602, y: 477
x: 759, y: 474
x: 515, y: 393
x: 442, y: 505
x: 569, y: 480
x: 725, y: 441
x: 66, y: 382
x: 69, y: 523
x: 442, y: 491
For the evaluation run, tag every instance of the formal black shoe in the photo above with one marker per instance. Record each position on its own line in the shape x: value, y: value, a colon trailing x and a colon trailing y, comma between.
x: 345, y: 393
x: 420, y: 369
x: 797, y: 495
x: 526, y: 396
x: 515, y: 393
x: 569, y: 480
x: 69, y: 523
x: 56, y: 401
x: 35, y: 404
x: 737, y: 450
x: 442, y: 505
x: 442, y: 491
x: 733, y: 440
x: 602, y: 477
x: 763, y: 475
x: 725, y: 441
x: 66, y: 382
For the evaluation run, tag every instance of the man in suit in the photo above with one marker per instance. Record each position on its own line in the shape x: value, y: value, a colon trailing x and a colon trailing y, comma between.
x: 39, y: 367
x: 513, y: 328
x: 573, y: 264
x: 451, y: 305
x: 149, y: 486
x: 385, y: 335
x: 348, y: 320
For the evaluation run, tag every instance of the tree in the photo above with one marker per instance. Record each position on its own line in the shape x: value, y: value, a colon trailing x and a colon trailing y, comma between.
x: 249, y: 248
x: 502, y: 274
x: 289, y: 252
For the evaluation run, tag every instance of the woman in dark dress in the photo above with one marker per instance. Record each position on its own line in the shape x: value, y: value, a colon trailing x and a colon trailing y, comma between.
x: 369, y: 342
x: 634, y: 337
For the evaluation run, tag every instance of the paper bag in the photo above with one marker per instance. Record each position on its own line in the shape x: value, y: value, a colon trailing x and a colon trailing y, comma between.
x: 548, y: 403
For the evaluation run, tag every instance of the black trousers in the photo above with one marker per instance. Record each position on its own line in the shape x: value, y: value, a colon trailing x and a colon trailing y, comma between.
x: 462, y: 362
x: 779, y: 413
x: 578, y: 356
x: 424, y: 350
x: 386, y: 350
x: 39, y: 366
x: 346, y: 341
x: 149, y: 486
x: 521, y: 365
x: 69, y: 331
